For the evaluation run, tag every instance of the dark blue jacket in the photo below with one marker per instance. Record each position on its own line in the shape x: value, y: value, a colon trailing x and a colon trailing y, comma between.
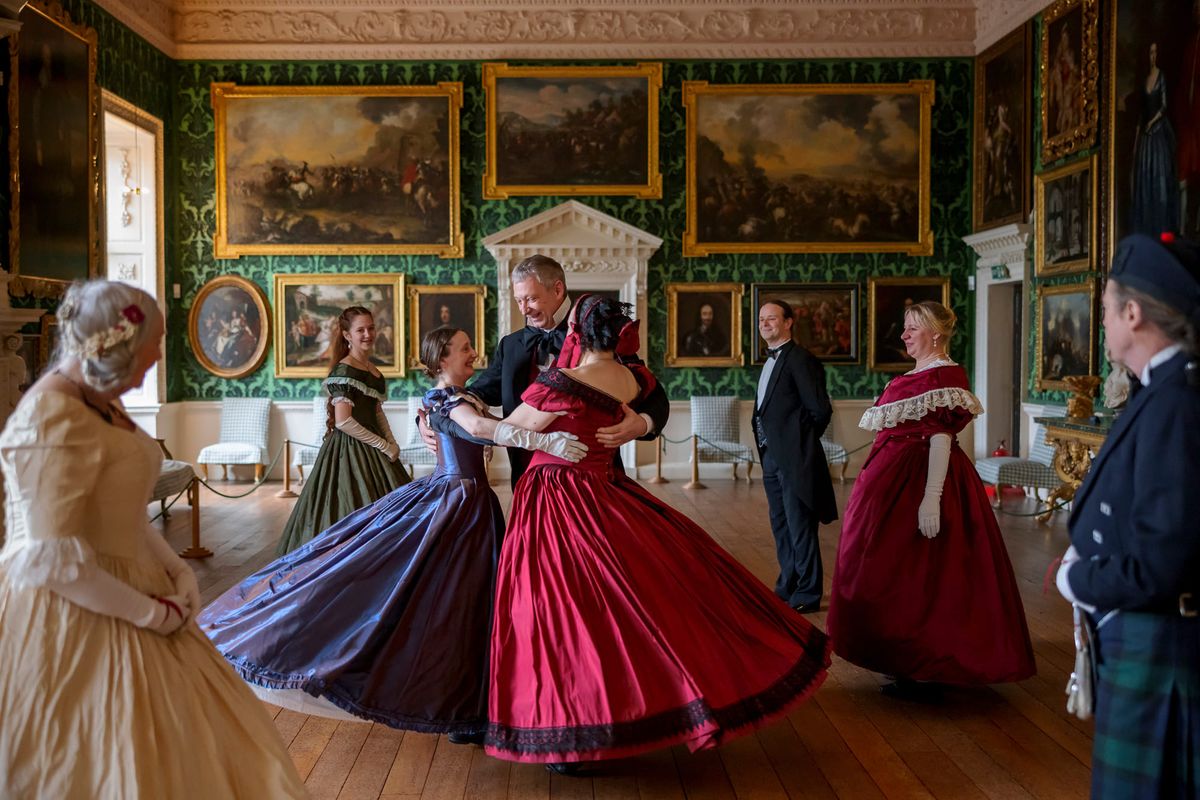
x: 1136, y: 517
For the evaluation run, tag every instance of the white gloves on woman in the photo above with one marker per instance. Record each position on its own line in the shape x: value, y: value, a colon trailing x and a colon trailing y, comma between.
x: 559, y: 444
x: 181, y: 574
x: 929, y: 513
x: 352, y: 427
x: 102, y: 593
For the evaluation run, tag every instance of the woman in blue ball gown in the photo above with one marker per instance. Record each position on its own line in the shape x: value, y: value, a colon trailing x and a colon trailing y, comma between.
x: 386, y: 615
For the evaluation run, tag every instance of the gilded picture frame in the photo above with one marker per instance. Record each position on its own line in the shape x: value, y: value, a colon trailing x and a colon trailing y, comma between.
x: 887, y: 298
x: 431, y: 307
x: 827, y: 319
x: 1152, y: 120
x: 56, y: 219
x: 48, y: 331
x: 1066, y: 333
x: 572, y: 130
x: 798, y: 171
x: 1069, y: 70
x: 339, y: 170
x: 1003, y: 114
x: 229, y: 326
x: 1067, y: 233
x: 700, y: 338
x: 306, y: 308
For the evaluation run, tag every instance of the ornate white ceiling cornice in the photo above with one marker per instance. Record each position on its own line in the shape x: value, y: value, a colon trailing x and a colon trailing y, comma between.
x: 478, y: 29
x: 996, y: 18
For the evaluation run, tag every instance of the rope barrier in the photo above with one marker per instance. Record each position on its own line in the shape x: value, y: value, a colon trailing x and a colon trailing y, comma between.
x: 738, y: 455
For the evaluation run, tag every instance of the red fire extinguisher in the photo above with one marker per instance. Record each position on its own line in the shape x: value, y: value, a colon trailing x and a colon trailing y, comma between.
x: 1000, y: 450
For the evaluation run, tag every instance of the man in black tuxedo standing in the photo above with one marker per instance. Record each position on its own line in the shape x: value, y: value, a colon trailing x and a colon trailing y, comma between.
x: 791, y: 412
x: 540, y: 289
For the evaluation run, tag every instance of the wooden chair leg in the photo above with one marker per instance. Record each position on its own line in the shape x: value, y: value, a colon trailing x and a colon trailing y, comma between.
x: 224, y: 472
x: 300, y: 471
x: 163, y: 508
x: 996, y: 496
x: 842, y: 477
x: 749, y: 472
x: 204, y: 469
x: 258, y: 471
x: 196, y: 550
x: 734, y: 465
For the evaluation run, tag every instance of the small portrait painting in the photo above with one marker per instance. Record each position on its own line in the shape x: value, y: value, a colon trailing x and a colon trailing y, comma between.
x: 229, y: 326
x: 432, y: 307
x: 704, y: 324
x: 1066, y: 217
x: 888, y: 299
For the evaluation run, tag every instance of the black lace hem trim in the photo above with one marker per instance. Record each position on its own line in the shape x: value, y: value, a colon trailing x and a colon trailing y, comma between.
x: 805, y: 676
x: 555, y: 378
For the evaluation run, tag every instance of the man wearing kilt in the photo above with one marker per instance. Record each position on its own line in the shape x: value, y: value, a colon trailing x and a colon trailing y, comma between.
x: 1134, y: 560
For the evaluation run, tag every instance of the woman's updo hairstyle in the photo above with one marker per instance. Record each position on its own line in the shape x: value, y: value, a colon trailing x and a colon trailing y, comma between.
x: 435, y: 346
x: 599, y: 321
x: 934, y: 317
x: 93, y: 309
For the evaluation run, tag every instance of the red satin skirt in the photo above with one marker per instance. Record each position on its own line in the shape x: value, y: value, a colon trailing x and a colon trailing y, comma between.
x: 620, y: 626
x: 945, y: 609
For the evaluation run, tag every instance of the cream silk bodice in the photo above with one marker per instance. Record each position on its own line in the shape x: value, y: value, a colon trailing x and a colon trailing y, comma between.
x: 76, y: 487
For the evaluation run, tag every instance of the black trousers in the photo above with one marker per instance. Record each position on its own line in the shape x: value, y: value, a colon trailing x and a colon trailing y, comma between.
x: 794, y: 526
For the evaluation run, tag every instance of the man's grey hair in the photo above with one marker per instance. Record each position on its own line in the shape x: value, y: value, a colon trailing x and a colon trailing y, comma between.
x: 543, y: 269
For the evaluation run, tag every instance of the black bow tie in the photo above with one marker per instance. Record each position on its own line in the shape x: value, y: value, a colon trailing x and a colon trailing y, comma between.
x: 773, y: 352
x: 1135, y: 386
x: 543, y: 340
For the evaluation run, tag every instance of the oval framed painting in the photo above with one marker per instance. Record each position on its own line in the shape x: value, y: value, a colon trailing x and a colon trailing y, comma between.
x: 229, y: 326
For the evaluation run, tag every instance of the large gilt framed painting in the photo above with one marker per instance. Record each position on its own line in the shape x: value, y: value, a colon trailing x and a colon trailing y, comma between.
x: 572, y: 130
x: 1153, y: 118
x: 337, y: 169
x: 1003, y: 79
x: 887, y: 301
x: 1066, y: 333
x: 54, y: 152
x: 799, y: 168
x: 307, y: 308
x: 1069, y: 75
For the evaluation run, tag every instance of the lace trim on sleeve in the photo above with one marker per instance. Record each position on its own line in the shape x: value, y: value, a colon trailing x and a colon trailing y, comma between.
x: 340, y: 400
x: 913, y: 408
x: 36, y: 562
x: 357, y: 385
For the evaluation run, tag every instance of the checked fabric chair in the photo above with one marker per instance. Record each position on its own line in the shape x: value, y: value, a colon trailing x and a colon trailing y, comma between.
x: 1035, y: 472
x: 303, y: 455
x: 245, y: 422
x: 413, y: 450
x: 715, y: 424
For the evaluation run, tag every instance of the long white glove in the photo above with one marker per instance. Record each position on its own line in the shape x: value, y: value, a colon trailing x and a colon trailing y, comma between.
x: 181, y: 574
x: 385, y: 426
x: 929, y: 514
x: 559, y: 444
x: 99, y: 591
x: 351, y: 427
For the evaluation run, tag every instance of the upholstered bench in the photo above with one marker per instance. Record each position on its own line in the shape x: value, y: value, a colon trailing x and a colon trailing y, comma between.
x: 176, y: 477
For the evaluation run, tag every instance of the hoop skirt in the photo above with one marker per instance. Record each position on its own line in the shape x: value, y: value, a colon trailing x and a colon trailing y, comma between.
x: 945, y: 609
x: 620, y: 625
x: 348, y: 474
x: 92, y: 706
x: 386, y: 614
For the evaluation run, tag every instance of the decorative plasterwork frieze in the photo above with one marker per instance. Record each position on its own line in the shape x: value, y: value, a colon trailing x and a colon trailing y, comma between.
x: 1002, y: 250
x: 475, y: 29
x: 995, y: 19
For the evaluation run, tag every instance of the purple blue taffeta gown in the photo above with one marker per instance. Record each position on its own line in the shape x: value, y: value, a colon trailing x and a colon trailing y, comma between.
x: 387, y: 613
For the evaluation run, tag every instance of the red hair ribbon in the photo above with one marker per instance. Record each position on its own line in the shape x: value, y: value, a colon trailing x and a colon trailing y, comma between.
x: 629, y: 339
x: 133, y: 314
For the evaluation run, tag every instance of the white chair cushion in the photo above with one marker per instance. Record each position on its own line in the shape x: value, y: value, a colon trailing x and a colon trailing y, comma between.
x: 232, y: 453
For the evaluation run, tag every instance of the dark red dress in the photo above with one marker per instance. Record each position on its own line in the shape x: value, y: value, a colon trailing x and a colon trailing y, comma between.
x: 621, y: 626
x: 944, y: 609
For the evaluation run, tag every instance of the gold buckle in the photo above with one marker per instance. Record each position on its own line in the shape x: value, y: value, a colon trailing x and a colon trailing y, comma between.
x: 1184, y: 611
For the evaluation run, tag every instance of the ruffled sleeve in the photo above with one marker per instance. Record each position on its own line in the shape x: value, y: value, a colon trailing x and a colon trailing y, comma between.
x: 51, y: 460
x: 555, y: 393
x: 440, y: 402
x: 939, y: 397
x: 346, y: 382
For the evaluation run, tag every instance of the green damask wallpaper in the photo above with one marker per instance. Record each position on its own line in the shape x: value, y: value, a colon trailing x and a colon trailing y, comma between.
x: 193, y: 264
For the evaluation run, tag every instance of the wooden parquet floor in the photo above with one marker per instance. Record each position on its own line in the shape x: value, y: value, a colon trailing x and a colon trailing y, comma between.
x: 850, y: 741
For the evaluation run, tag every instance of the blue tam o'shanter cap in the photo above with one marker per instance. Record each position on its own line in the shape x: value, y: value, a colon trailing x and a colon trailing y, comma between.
x: 1167, y: 269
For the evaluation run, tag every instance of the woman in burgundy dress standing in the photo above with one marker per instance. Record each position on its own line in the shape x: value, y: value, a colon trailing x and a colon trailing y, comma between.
x: 620, y: 626
x: 923, y: 589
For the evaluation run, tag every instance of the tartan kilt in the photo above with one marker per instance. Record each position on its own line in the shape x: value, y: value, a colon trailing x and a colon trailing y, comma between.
x: 1147, y: 742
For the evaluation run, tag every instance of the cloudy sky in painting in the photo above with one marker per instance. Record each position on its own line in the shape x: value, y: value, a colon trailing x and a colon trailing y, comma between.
x: 824, y: 136
x: 545, y: 101
x: 329, y: 130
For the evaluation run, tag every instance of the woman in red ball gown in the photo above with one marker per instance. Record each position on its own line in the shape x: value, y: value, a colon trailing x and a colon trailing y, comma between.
x: 620, y: 626
x: 923, y: 589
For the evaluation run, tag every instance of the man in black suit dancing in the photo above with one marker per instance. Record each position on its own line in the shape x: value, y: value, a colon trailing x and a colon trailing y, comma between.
x: 540, y: 289
x: 791, y: 412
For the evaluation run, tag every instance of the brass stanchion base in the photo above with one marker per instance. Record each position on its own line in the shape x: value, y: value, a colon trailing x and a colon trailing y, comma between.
x: 286, y: 493
x: 692, y: 485
x: 657, y: 479
x: 195, y: 552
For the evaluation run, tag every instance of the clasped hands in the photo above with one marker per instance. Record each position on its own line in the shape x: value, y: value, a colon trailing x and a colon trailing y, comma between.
x: 631, y: 426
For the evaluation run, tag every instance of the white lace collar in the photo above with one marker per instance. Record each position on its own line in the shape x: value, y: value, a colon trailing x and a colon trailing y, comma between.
x: 941, y: 362
x: 889, y: 415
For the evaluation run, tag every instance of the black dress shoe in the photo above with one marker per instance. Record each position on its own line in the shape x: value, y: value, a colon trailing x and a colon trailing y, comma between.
x: 465, y: 738
x: 571, y: 769
x: 915, y: 691
x: 807, y: 608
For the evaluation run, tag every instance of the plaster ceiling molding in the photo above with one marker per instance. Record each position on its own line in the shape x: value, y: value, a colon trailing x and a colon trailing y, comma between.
x: 995, y: 19
x: 153, y: 20
x: 474, y: 29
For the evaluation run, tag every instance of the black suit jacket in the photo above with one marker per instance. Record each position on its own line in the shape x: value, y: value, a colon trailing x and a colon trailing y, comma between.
x: 508, y: 376
x: 795, y: 412
x: 1133, y: 518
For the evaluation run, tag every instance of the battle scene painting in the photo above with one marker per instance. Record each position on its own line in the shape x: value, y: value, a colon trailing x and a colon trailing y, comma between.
x: 797, y: 168
x: 337, y: 170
